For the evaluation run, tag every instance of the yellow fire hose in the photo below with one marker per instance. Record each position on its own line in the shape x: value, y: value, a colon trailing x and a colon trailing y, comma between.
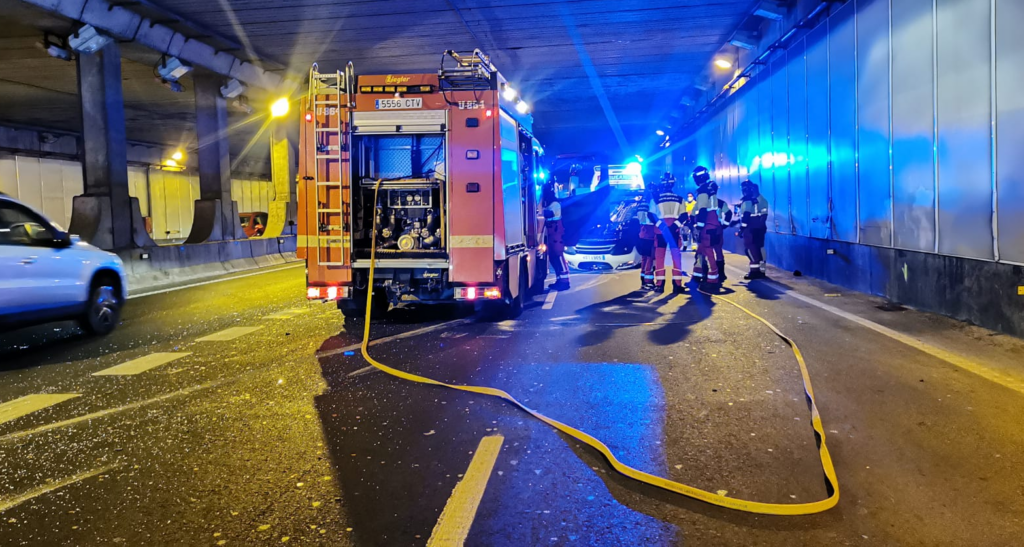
x: 831, y: 482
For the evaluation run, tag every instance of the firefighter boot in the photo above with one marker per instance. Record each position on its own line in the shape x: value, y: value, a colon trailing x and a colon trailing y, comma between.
x: 678, y: 288
x: 721, y: 270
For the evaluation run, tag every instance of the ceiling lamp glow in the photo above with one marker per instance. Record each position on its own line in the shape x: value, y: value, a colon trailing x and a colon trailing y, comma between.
x: 659, y: 133
x: 522, y: 107
x: 280, y: 107
x: 723, y: 63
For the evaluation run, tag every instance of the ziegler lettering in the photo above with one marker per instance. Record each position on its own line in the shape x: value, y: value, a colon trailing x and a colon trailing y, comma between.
x: 396, y: 79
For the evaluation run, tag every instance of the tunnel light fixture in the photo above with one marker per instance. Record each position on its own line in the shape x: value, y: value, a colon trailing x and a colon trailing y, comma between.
x: 172, y: 69
x: 509, y: 93
x: 659, y: 133
x: 56, y: 47
x: 280, y: 107
x: 522, y: 107
x: 232, y: 89
x: 178, y: 155
x: 88, y: 40
x: 723, y: 63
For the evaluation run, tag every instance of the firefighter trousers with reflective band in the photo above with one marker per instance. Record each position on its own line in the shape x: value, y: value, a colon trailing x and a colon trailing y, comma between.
x: 645, y: 247
x: 708, y: 238
x: 753, y: 242
x: 667, y: 243
x: 556, y: 251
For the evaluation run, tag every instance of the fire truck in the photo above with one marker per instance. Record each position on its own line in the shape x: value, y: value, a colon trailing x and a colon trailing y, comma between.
x: 440, y: 172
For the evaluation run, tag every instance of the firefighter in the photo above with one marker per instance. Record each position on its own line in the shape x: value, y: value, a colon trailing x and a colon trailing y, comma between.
x: 645, y: 244
x: 708, y: 231
x: 754, y: 211
x: 669, y: 215
x: 555, y: 232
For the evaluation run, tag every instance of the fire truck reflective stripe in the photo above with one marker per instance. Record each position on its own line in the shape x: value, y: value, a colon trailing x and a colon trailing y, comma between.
x: 325, y: 241
x: 831, y: 481
x: 471, y: 242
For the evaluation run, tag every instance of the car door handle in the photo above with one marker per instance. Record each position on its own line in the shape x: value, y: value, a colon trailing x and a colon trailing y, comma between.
x: 29, y: 260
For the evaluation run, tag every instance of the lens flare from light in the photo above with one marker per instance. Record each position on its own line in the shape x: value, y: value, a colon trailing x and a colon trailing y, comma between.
x: 280, y: 107
x: 633, y: 168
x: 522, y: 107
x: 178, y: 155
x: 509, y: 94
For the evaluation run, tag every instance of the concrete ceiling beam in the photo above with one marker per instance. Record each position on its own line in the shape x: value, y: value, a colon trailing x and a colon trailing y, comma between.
x: 124, y: 24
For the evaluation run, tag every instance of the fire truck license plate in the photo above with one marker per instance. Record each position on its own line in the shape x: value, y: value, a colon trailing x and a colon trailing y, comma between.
x: 397, y: 104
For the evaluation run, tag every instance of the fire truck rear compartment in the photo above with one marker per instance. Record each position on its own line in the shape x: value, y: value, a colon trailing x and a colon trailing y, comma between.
x: 408, y: 215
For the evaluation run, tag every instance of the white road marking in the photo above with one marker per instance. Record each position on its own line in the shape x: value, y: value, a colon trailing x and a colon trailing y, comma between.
x: 458, y: 514
x: 142, y: 364
x: 417, y: 332
x: 12, y: 410
x: 228, y: 334
x: 201, y: 283
x: 939, y: 353
x: 14, y: 501
x: 549, y: 300
x: 287, y: 314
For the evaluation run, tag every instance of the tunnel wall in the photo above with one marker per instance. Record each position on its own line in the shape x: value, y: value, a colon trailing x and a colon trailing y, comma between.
x: 892, y: 134
x: 50, y: 184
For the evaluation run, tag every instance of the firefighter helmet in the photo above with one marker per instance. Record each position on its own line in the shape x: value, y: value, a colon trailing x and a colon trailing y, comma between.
x: 701, y: 175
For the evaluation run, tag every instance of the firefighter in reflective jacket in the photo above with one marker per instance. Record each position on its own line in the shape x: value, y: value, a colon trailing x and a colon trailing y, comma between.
x: 555, y: 232
x: 708, y: 231
x: 645, y: 244
x: 753, y: 226
x: 669, y: 213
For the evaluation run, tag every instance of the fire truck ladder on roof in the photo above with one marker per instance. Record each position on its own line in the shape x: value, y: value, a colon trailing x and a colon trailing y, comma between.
x: 465, y: 70
x: 326, y: 99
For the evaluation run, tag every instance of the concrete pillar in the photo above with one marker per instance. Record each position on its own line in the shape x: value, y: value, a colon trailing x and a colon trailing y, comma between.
x: 105, y: 215
x: 283, y: 170
x: 216, y: 214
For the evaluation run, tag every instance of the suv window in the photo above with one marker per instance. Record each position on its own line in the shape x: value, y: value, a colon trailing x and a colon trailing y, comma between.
x: 20, y: 226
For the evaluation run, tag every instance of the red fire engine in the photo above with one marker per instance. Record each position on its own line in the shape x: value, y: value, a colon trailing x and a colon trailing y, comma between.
x: 456, y: 173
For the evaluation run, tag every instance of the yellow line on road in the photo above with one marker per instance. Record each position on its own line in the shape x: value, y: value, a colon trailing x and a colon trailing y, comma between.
x: 287, y: 314
x: 12, y: 410
x: 920, y: 345
x: 142, y: 364
x: 228, y: 334
x: 14, y: 501
x: 458, y: 514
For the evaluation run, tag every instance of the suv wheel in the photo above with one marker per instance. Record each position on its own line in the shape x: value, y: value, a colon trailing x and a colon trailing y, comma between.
x: 103, y: 311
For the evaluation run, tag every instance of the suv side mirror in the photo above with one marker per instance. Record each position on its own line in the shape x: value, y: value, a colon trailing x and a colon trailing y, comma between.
x: 62, y: 239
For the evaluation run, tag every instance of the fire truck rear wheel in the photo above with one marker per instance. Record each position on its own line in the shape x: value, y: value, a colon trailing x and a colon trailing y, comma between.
x: 540, y: 275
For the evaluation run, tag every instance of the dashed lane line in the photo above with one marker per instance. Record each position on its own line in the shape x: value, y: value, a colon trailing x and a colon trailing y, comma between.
x: 14, y: 501
x: 142, y: 364
x: 549, y: 300
x: 12, y: 410
x: 920, y: 345
x: 212, y: 281
x: 458, y: 514
x: 287, y: 314
x: 229, y: 334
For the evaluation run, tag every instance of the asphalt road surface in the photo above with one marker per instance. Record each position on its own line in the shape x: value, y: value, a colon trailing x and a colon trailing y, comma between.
x: 236, y: 413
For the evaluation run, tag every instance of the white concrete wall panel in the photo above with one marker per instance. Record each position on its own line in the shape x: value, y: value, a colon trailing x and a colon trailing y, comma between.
x: 798, y: 193
x: 874, y: 178
x: 818, y: 161
x: 964, y: 118
x: 843, y: 120
x: 1010, y: 128
x: 913, y: 125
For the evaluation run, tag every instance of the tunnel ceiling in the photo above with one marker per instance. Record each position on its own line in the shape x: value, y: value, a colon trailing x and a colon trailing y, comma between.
x: 641, y: 55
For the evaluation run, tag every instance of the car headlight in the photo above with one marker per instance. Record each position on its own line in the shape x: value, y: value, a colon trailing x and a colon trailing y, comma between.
x: 570, y: 250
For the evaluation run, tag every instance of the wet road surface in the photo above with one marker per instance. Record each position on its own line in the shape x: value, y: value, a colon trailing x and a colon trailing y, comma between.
x: 235, y: 413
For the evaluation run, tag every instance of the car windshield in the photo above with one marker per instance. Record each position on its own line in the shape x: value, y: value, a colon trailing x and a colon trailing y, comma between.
x: 611, y: 220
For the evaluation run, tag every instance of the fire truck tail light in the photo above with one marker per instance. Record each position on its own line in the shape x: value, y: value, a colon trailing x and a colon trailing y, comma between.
x: 488, y: 113
x: 477, y: 293
x: 313, y: 293
x: 332, y: 293
x: 328, y: 293
x: 309, y: 116
x: 471, y: 293
x: 492, y: 293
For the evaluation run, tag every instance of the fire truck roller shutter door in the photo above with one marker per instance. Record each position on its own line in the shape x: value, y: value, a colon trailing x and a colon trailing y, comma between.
x: 470, y: 215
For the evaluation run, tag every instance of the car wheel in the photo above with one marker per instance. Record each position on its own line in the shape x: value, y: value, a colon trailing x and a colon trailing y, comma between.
x: 103, y: 311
